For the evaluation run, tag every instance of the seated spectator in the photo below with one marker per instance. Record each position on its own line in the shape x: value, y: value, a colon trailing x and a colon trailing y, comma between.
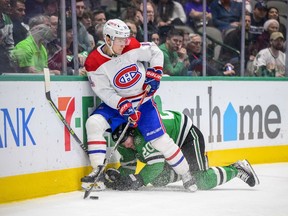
x: 233, y: 40
x: 273, y: 13
x: 53, y: 46
x: 132, y: 26
x: 226, y: 14
x: 39, y: 19
x: 99, y: 34
x: 50, y: 7
x: 55, y: 60
x: 171, y: 12
x: 263, y: 40
x: 6, y: 38
x: 271, y: 61
x: 98, y: 18
x: 175, y: 55
x: 20, y: 29
x: 87, y: 22
x: 83, y: 36
x: 30, y: 54
x: 258, y: 18
x: 136, y: 15
x: 152, y: 18
x: 194, y: 50
x: 154, y: 37
x: 194, y: 13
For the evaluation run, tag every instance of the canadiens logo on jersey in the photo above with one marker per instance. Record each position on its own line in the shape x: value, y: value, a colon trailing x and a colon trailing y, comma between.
x: 127, y: 77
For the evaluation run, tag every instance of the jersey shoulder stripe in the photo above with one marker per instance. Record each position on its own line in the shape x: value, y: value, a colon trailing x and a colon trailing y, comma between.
x: 95, y: 59
x: 134, y: 44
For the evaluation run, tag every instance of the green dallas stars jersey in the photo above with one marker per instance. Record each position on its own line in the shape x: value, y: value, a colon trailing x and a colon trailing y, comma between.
x: 177, y: 126
x: 190, y: 140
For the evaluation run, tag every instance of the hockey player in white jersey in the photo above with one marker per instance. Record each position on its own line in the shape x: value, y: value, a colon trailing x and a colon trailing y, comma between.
x: 119, y: 78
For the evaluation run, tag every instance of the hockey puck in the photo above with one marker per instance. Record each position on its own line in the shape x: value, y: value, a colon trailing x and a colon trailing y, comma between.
x: 94, y: 197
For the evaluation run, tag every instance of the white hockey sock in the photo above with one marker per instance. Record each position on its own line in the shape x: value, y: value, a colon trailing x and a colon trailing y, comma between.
x: 96, y: 125
x: 172, y: 153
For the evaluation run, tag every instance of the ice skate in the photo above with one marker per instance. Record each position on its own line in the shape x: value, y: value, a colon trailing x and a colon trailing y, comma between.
x: 88, y: 181
x: 189, y: 182
x: 246, y: 173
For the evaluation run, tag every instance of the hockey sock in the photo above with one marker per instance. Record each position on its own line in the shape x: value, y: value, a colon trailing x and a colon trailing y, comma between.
x: 172, y: 153
x: 96, y: 125
x: 214, y: 176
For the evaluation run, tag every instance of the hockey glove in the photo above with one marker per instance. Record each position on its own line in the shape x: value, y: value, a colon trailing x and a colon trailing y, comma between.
x: 130, y: 182
x: 129, y: 113
x: 153, y: 77
x: 111, y: 175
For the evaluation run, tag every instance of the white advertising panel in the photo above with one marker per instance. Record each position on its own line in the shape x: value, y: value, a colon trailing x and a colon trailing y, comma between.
x: 32, y: 138
x: 231, y: 114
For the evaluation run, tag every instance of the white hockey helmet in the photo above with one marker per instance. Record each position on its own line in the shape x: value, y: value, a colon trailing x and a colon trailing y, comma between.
x: 116, y: 28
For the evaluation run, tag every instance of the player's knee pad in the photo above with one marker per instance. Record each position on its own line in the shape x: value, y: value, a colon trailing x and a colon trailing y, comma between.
x: 96, y: 124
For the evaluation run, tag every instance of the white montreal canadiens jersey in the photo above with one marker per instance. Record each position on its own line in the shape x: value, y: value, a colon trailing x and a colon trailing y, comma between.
x: 115, y: 78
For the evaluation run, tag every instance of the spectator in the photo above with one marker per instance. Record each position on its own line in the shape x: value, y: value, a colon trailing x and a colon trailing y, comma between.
x: 233, y: 39
x: 87, y: 19
x: 171, y: 12
x: 271, y: 61
x: 53, y: 47
x: 83, y: 37
x: 39, y: 19
x: 6, y: 38
x: 258, y: 19
x: 136, y: 15
x: 152, y: 18
x: 226, y: 14
x: 99, y: 34
x: 194, y: 13
x: 99, y: 17
x: 55, y: 60
x: 194, y: 50
x: 98, y: 20
x: 263, y: 40
x: 20, y: 29
x: 50, y: 7
x: 155, y: 38
x: 132, y: 26
x: 175, y: 55
x: 87, y: 22
x: 273, y: 13
x: 31, y: 54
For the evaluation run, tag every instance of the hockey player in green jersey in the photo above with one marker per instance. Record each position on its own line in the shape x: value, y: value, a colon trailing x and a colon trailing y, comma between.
x: 157, y: 172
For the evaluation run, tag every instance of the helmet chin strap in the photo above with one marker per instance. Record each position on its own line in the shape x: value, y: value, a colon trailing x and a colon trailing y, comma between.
x: 110, y: 47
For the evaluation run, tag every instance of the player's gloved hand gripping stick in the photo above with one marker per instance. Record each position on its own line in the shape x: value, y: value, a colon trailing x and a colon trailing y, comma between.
x: 130, y: 121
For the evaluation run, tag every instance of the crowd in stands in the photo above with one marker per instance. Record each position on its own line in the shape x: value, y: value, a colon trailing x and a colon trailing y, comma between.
x: 30, y: 36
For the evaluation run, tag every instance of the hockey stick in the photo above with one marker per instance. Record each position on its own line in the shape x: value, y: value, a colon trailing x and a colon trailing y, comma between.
x: 58, y: 113
x: 87, y: 192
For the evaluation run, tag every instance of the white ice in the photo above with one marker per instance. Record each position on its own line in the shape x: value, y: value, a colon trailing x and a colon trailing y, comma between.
x: 234, y: 198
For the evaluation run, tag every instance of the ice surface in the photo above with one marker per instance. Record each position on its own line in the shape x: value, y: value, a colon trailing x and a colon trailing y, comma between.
x: 234, y: 198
